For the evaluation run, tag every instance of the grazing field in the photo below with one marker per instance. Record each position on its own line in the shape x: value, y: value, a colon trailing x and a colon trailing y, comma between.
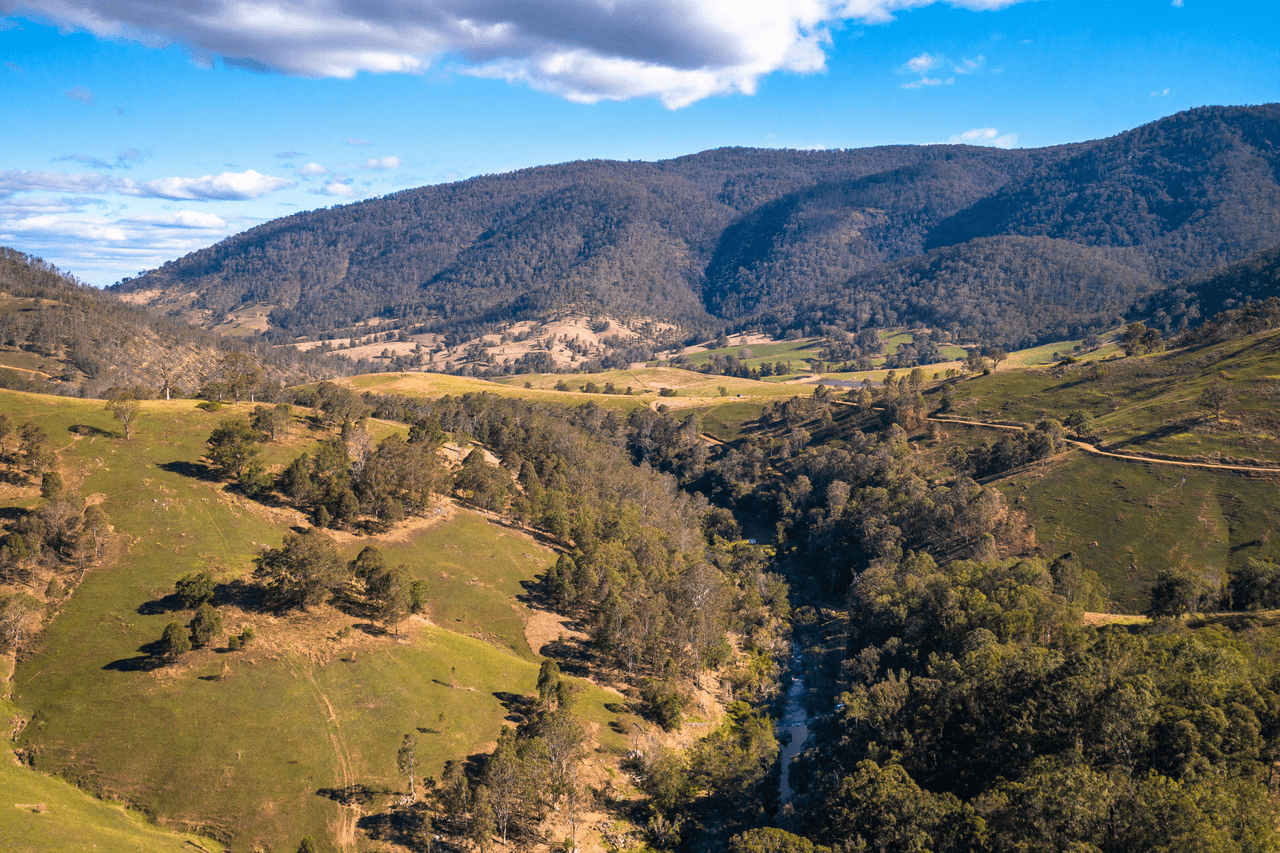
x: 43, y: 814
x: 1126, y: 520
x: 1150, y: 403
x: 257, y: 747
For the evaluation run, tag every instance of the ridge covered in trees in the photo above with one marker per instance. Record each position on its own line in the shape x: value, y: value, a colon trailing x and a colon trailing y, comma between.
x: 741, y: 236
x: 102, y: 345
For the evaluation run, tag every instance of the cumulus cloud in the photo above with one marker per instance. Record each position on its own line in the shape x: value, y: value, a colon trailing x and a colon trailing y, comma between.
x: 82, y: 94
x: 383, y: 163
x: 229, y: 186
x: 677, y: 51
x: 310, y: 170
x: 985, y: 136
x: 337, y: 188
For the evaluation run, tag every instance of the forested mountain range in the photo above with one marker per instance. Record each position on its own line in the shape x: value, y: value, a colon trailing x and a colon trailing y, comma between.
x: 944, y: 234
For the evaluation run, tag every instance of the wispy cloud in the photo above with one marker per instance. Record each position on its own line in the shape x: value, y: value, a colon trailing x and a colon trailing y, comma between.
x: 383, y: 163
x: 1177, y: 4
x: 124, y: 160
x: 358, y: 142
x: 235, y: 186
x: 100, y: 247
x: 926, y: 62
x: 91, y: 162
x: 82, y: 94
x: 15, y: 68
x: 1160, y: 94
x: 289, y: 155
x: 985, y: 136
x: 678, y: 51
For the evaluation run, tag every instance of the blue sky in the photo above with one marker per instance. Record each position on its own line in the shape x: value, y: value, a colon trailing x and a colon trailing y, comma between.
x: 136, y: 131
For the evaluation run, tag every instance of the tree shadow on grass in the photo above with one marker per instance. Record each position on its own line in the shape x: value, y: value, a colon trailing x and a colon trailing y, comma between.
x: 571, y: 655
x: 86, y: 429
x: 194, y: 470
x: 150, y: 660
x: 353, y: 795
x: 398, y: 826
x: 519, y: 705
x: 158, y: 606
x: 236, y: 593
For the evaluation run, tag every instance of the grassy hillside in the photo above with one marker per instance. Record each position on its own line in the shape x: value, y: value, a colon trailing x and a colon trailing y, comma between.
x: 43, y: 814
x: 1150, y: 403
x: 256, y: 747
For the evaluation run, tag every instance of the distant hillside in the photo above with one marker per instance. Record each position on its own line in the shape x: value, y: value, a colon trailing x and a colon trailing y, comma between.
x: 60, y: 336
x: 1011, y: 291
x: 1185, y: 194
x: 628, y: 238
x: 734, y: 236
x: 1192, y: 302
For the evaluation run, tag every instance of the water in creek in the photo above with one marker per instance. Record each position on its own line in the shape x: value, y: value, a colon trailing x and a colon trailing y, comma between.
x: 796, y: 723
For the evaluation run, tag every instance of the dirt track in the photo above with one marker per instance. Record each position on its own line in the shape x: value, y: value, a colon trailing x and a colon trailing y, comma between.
x: 1089, y: 448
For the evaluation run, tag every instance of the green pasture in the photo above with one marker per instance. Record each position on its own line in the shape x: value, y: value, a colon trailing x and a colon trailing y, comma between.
x: 1150, y: 403
x: 1129, y: 520
x: 727, y: 421
x: 796, y: 354
x: 44, y: 814
x: 257, y: 746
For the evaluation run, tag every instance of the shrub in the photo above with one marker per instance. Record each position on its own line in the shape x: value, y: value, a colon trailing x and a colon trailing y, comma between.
x: 194, y: 588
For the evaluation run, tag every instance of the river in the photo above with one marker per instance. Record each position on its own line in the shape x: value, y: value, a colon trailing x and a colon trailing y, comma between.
x: 795, y: 721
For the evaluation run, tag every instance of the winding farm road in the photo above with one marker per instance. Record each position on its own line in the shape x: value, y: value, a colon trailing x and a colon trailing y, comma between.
x: 1089, y: 448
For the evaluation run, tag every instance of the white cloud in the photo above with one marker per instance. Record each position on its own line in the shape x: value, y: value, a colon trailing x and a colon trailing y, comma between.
x: 20, y: 181
x: 81, y: 94
x: 922, y: 82
x: 358, y: 142
x: 1160, y: 94
x: 677, y: 51
x: 233, y: 186
x: 311, y: 170
x: 1177, y: 4
x: 337, y: 188
x: 985, y: 136
x: 922, y: 63
x: 383, y: 163
x: 183, y: 219
x: 229, y: 186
